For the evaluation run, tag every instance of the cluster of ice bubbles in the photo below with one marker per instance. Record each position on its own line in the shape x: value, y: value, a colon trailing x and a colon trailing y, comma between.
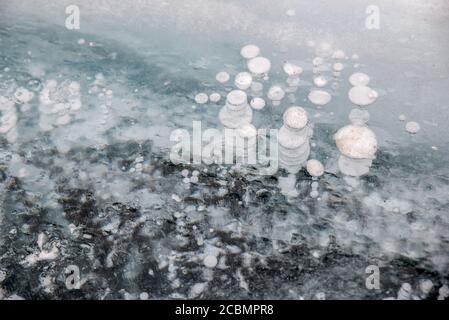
x: 356, y: 142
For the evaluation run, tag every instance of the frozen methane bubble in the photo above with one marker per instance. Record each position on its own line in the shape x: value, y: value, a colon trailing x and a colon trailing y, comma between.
x: 358, y: 142
x: 315, y: 168
x: 276, y: 94
x: 412, y: 127
x: 256, y: 88
x: 362, y: 95
x: 291, y: 12
x: 243, y: 80
x: 201, y: 98
x: 320, y: 81
x: 317, y: 61
x: 250, y: 51
x: 358, y: 145
x: 292, y: 69
x: 259, y: 66
x: 23, y: 95
x: 359, y: 117
x: 359, y: 79
x: 339, y: 54
x: 293, y: 139
x: 319, y: 97
x: 338, y: 66
x: 257, y: 103
x: 222, y: 77
x: 210, y: 261
x: 402, y: 117
x: 214, y: 97
x: 236, y: 112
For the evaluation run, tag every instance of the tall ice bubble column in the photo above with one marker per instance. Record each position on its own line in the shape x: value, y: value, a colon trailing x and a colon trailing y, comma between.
x: 293, y: 139
x: 236, y: 112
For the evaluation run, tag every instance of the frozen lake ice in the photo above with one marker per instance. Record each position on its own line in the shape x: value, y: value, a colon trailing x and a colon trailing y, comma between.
x: 87, y: 183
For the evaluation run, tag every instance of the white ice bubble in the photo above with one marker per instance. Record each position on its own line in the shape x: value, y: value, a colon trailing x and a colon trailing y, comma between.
x: 359, y: 79
x: 243, y: 80
x: 259, y: 65
x: 236, y: 97
x: 412, y: 127
x: 23, y: 95
x: 210, y: 261
x: 362, y: 95
x: 339, y: 54
x: 402, y: 117
x: 292, y: 69
x: 295, y: 117
x: 317, y: 61
x: 357, y: 142
x: 250, y: 51
x: 276, y: 93
x: 81, y: 41
x: 319, y: 97
x: 315, y: 168
x: 257, y: 103
x: 222, y: 77
x: 291, y: 12
x: 320, y: 81
x: 214, y: 97
x: 201, y: 98
x: 256, y: 88
x: 338, y: 66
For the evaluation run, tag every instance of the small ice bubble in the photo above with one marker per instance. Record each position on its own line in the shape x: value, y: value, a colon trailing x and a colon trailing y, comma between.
x: 250, y: 51
x: 402, y: 117
x: 214, y: 97
x: 291, y: 12
x: 362, y: 95
x: 315, y: 168
x: 295, y: 117
x: 201, y: 98
x: 320, y: 81
x: 210, y: 261
x: 292, y: 69
x: 195, y: 173
x: 257, y: 103
x: 338, y: 66
x: 317, y: 61
x: 338, y: 54
x: 194, y: 179
x: 222, y: 77
x: 276, y: 93
x: 81, y: 41
x: 259, y: 65
x: 404, y: 292
x: 176, y: 198
x: 144, y: 296
x: 186, y: 180
x: 319, y: 97
x: 426, y: 286
x: 359, y: 79
x: 412, y: 127
x: 243, y: 80
x: 314, y: 194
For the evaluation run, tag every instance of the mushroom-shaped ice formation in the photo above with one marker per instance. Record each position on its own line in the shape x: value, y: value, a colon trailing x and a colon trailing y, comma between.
x: 259, y: 66
x: 222, y: 77
x: 293, y: 139
x: 201, y: 98
x: 359, y: 79
x: 362, y: 95
x: 257, y: 103
x: 276, y: 94
x: 315, y: 168
x: 243, y: 80
x: 319, y: 97
x: 357, y: 142
x: 250, y: 51
x: 236, y: 112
